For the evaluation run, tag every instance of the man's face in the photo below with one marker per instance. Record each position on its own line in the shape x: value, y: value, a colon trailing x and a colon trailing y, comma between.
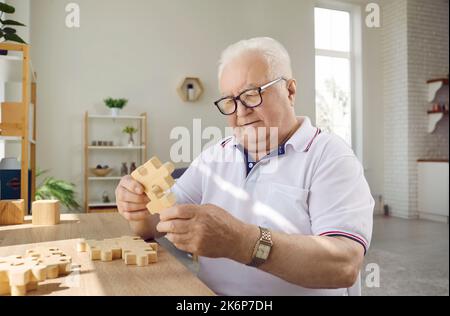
x: 250, y: 70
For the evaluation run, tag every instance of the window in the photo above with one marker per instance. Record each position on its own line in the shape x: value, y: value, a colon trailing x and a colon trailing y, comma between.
x: 333, y: 45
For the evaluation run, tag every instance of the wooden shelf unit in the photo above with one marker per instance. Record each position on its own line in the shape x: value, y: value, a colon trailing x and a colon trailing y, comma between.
x: 436, y: 96
x: 95, y: 206
x: 16, y: 123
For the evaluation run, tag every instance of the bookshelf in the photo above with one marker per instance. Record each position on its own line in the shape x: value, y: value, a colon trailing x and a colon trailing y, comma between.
x: 18, y: 119
x: 101, y: 126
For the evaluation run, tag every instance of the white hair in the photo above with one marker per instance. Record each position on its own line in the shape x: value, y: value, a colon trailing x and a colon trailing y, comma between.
x: 275, y: 54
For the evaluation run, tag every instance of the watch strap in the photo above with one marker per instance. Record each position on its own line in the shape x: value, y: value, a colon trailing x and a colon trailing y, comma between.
x: 264, y: 238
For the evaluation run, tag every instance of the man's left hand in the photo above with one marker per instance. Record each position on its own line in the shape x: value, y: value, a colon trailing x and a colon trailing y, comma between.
x: 208, y: 231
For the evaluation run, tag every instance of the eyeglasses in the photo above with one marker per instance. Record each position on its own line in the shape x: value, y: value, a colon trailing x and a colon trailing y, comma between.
x: 250, y: 98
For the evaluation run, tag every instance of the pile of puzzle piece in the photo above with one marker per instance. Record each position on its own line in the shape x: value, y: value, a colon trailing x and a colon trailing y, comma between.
x: 20, y: 274
x: 133, y: 250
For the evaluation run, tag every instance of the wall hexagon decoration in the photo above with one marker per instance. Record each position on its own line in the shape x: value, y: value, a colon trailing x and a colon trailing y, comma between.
x: 190, y: 89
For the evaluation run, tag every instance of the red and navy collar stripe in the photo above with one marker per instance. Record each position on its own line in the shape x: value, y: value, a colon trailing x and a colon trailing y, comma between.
x: 225, y: 142
x: 318, y: 132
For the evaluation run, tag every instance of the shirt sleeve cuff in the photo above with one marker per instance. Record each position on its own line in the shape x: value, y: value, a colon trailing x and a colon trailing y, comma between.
x: 335, y: 233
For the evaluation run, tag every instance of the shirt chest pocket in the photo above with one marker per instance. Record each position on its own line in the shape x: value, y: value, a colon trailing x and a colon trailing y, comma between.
x: 289, y: 205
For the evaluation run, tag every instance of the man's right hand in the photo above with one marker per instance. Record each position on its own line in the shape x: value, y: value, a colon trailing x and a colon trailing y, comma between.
x: 131, y: 200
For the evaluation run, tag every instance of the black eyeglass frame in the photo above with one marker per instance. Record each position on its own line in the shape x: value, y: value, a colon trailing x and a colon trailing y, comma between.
x: 238, y: 98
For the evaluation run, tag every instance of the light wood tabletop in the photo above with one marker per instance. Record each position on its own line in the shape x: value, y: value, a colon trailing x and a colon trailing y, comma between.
x: 166, y: 277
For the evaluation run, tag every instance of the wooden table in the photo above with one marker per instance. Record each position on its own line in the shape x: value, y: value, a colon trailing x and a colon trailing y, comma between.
x: 167, y: 277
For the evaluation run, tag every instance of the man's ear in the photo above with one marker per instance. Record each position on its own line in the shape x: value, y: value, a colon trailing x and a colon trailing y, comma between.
x: 292, y: 90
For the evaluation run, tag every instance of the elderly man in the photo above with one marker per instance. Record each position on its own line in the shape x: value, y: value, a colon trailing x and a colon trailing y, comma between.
x: 268, y: 213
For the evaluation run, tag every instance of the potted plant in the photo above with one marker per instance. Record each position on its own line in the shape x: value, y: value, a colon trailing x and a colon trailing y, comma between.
x: 53, y: 189
x: 115, y: 105
x: 7, y: 32
x: 130, y: 130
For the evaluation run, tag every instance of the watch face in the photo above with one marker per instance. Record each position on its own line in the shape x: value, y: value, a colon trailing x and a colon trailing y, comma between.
x: 263, y: 251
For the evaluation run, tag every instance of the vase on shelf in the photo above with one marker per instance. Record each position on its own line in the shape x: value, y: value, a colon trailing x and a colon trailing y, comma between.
x: 10, y: 163
x: 190, y: 92
x: 115, y: 112
x: 132, y: 167
x: 105, y: 197
x: 124, y: 169
x: 130, y: 140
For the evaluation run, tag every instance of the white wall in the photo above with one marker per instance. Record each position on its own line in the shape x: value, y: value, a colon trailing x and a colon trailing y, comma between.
x: 415, y: 49
x: 428, y: 58
x: 141, y: 49
x: 373, y: 119
x: 395, y: 100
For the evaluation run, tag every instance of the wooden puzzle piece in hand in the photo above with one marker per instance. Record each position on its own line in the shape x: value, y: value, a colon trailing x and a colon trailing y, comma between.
x: 133, y: 250
x: 21, y: 274
x: 156, y: 179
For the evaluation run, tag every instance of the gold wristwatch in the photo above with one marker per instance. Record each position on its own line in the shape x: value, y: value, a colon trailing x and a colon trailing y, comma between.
x: 262, y: 248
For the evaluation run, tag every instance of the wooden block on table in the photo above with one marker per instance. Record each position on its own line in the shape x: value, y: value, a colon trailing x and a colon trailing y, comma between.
x: 4, y: 288
x: 12, y: 212
x: 156, y: 179
x: 19, y: 274
x: 104, y: 250
x: 138, y: 255
x: 133, y: 250
x: 57, y: 262
x: 40, y: 252
x: 45, y: 212
x: 82, y: 246
x: 13, y: 117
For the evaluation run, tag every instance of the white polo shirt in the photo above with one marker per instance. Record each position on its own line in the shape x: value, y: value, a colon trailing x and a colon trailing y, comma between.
x: 314, y: 186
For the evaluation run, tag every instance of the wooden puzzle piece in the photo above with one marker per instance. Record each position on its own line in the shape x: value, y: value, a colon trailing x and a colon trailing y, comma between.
x: 140, y: 256
x: 156, y: 179
x: 57, y: 262
x: 136, y: 251
x: 104, y: 250
x: 39, y: 252
x: 133, y: 250
x: 19, y: 274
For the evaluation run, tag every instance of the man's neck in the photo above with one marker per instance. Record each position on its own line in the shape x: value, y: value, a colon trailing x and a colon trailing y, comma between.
x: 295, y: 126
x: 283, y: 138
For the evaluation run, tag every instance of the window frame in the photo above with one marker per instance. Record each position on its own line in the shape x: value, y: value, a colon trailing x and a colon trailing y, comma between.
x: 355, y: 58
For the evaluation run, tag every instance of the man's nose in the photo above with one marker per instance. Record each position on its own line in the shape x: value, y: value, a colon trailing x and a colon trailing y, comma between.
x: 242, y: 110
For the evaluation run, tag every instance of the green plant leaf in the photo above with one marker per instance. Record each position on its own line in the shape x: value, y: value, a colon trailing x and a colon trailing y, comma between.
x: 40, y: 172
x: 129, y: 130
x: 52, y: 188
x: 115, y: 103
x: 14, y: 38
x: 11, y: 22
x: 6, y: 8
x: 9, y: 30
